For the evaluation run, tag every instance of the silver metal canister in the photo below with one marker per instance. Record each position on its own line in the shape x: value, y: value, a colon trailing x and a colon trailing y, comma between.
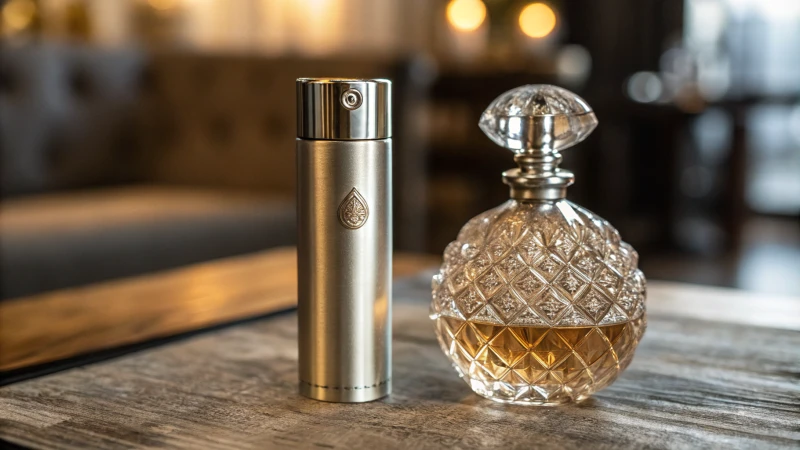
x: 344, y: 250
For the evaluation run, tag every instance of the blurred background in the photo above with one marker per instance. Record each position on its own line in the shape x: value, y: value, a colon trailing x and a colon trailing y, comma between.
x: 141, y: 135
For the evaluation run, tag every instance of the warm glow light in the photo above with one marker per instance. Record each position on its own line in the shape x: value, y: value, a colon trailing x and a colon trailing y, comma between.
x: 537, y: 20
x: 18, y: 14
x: 466, y: 15
x: 163, y: 5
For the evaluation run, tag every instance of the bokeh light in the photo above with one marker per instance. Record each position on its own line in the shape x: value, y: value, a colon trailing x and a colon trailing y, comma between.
x: 18, y: 14
x: 163, y: 5
x: 645, y: 87
x: 537, y: 20
x: 466, y: 15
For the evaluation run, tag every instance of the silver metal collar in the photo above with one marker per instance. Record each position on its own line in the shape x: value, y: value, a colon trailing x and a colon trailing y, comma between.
x: 343, y: 109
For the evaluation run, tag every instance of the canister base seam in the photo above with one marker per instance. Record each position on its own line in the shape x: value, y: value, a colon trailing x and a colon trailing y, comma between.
x: 380, y: 384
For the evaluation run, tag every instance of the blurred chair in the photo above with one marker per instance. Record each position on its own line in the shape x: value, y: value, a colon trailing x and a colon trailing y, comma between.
x: 116, y: 163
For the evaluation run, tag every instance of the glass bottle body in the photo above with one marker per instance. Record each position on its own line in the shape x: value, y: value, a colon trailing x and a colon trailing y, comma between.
x: 539, y: 303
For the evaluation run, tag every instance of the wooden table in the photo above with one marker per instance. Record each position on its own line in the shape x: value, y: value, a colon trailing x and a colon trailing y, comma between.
x: 716, y: 368
x: 70, y: 325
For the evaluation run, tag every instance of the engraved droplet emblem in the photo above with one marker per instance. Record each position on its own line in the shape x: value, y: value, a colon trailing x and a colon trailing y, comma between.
x: 353, y: 211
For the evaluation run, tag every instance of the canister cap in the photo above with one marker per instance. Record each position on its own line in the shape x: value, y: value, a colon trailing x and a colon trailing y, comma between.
x: 344, y: 109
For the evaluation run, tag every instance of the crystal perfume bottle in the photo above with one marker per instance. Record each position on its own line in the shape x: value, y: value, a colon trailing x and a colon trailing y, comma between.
x: 538, y: 300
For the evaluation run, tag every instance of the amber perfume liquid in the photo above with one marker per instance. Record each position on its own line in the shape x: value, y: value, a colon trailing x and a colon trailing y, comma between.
x: 538, y: 365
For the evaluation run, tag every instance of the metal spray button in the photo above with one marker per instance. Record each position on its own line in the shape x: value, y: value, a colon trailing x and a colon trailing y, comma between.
x: 351, y: 99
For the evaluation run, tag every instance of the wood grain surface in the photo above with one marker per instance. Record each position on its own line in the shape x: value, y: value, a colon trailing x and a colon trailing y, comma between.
x: 65, y: 323
x: 694, y: 383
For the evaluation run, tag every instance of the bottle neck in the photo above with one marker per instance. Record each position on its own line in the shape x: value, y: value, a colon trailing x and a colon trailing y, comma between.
x: 538, y: 176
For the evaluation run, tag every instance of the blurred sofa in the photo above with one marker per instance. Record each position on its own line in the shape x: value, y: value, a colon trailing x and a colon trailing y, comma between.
x: 118, y: 162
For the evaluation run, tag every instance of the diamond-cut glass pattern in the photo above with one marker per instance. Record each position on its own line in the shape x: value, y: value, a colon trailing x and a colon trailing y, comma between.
x: 523, y: 248
x: 586, y: 262
x: 549, y: 306
x: 497, y: 249
x: 539, y: 303
x: 529, y: 249
x: 458, y: 282
x: 510, y: 266
x: 539, y: 364
x: 527, y: 284
x: 548, y: 266
x: 595, y: 304
x: 468, y: 301
x: 609, y: 281
x: 572, y: 317
x: 489, y: 283
x: 477, y: 266
x: 571, y: 283
x: 563, y: 245
x: 507, y: 305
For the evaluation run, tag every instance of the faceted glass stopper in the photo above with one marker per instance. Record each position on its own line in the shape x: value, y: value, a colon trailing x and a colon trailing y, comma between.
x: 516, y: 119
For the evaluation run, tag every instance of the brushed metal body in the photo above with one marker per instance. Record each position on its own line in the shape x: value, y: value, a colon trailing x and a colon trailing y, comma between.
x: 344, y: 275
